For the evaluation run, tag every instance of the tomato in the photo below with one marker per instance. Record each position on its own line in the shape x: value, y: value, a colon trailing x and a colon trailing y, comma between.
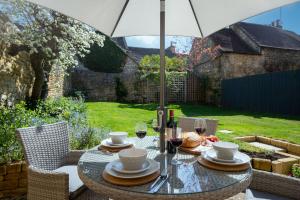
x: 213, y: 138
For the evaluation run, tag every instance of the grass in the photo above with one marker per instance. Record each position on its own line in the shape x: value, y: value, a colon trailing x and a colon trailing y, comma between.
x: 122, y: 116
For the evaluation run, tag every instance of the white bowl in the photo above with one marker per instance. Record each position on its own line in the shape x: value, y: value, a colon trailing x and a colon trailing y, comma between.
x: 225, y: 150
x: 118, y: 137
x: 133, y: 159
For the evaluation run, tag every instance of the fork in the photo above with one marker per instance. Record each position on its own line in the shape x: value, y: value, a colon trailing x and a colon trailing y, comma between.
x: 162, y: 176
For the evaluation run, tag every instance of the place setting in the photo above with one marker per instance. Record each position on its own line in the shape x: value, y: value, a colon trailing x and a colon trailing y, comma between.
x: 116, y: 142
x: 225, y: 156
x: 132, y: 168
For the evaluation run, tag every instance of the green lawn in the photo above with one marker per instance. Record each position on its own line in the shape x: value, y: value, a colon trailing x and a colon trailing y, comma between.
x: 122, y: 117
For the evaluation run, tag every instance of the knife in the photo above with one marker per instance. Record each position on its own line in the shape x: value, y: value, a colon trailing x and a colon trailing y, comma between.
x: 163, y: 174
x: 159, y: 185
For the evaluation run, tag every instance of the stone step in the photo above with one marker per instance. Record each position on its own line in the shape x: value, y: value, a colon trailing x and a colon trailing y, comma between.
x: 267, y: 146
x: 258, y: 195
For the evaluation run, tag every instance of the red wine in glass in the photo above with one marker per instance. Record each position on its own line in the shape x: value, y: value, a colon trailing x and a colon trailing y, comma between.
x: 176, y: 141
x: 141, y: 134
x: 200, y: 130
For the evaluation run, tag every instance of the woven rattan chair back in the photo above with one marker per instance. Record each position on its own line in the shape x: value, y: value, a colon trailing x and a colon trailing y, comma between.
x: 187, y: 125
x: 45, y: 146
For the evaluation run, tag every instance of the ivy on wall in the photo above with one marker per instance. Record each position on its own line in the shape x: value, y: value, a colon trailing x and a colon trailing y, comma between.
x: 109, y: 58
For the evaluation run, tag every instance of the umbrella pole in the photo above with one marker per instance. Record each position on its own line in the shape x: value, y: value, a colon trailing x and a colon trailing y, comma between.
x: 162, y: 76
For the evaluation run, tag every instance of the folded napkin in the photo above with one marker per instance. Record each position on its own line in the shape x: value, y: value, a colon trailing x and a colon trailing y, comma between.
x: 114, y: 149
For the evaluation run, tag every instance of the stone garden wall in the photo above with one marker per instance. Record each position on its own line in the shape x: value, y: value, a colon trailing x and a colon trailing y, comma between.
x: 100, y: 86
x: 232, y: 65
x: 13, y: 179
x: 16, y: 75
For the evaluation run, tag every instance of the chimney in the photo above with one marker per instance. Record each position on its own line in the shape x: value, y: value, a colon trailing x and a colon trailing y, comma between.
x: 172, y: 47
x: 277, y: 23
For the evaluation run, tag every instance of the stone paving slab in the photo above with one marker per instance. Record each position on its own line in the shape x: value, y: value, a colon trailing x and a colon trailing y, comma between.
x: 266, y: 146
x: 258, y: 195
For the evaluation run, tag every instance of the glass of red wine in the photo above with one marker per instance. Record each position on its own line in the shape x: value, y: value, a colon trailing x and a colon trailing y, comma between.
x: 155, y: 129
x: 200, y: 126
x: 176, y: 141
x: 141, y: 130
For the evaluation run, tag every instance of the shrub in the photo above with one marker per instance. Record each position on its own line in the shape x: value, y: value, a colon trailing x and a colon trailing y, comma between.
x: 72, y: 110
x: 296, y: 170
x: 151, y: 63
x: 10, y: 119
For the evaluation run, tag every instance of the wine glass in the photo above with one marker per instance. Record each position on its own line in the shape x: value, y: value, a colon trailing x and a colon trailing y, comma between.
x: 176, y: 141
x: 200, y: 126
x: 155, y: 128
x: 141, y: 130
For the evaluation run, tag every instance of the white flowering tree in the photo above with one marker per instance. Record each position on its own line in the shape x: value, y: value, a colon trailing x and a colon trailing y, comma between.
x: 52, y: 39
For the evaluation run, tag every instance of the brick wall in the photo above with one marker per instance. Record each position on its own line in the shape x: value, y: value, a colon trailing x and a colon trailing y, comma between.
x: 13, y: 179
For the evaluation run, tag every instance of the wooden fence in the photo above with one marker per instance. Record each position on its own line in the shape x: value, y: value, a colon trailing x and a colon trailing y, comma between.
x: 277, y: 92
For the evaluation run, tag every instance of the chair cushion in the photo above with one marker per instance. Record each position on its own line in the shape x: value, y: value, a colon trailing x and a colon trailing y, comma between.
x: 76, y: 186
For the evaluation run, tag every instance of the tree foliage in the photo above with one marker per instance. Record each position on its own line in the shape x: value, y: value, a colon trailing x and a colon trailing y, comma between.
x: 203, y: 50
x: 109, y: 58
x: 52, y: 39
x: 151, y: 63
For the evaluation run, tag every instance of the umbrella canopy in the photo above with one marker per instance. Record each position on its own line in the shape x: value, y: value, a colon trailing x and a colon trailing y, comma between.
x: 142, y: 17
x: 198, y: 18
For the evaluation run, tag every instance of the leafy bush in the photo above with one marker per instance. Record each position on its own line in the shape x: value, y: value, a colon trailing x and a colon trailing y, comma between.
x: 296, y: 170
x: 151, y: 63
x: 72, y: 110
x: 10, y: 119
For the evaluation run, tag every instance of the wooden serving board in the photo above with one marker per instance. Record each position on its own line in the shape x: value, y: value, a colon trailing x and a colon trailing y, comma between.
x: 114, y: 150
x: 195, y: 150
x: 129, y: 182
x: 225, y: 168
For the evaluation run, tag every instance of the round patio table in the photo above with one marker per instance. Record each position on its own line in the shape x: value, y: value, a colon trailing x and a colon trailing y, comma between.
x: 187, y: 181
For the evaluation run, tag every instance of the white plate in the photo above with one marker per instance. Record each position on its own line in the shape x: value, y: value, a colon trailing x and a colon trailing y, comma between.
x: 118, y: 167
x: 213, y: 155
x: 154, y: 167
x: 108, y: 143
x: 239, y: 158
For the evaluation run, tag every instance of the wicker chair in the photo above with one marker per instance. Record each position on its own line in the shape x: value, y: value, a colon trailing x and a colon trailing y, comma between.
x: 187, y: 125
x: 52, y: 171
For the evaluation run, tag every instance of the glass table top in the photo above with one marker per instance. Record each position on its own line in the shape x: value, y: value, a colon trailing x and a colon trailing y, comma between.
x: 187, y: 178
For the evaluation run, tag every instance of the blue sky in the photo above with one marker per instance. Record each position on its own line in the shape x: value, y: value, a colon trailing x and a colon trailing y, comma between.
x: 290, y: 16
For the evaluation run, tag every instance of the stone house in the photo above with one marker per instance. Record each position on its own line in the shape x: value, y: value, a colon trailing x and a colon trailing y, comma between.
x: 243, y: 49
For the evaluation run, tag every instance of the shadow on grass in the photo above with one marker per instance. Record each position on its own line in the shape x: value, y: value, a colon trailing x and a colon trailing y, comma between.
x: 150, y: 106
x: 192, y: 110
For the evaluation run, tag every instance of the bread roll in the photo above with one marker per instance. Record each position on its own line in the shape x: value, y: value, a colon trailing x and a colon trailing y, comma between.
x: 191, y: 139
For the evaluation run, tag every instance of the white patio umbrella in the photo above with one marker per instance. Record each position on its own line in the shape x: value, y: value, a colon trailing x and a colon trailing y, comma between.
x: 198, y: 18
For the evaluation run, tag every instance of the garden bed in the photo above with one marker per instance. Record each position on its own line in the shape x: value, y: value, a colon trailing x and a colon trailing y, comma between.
x: 277, y: 162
